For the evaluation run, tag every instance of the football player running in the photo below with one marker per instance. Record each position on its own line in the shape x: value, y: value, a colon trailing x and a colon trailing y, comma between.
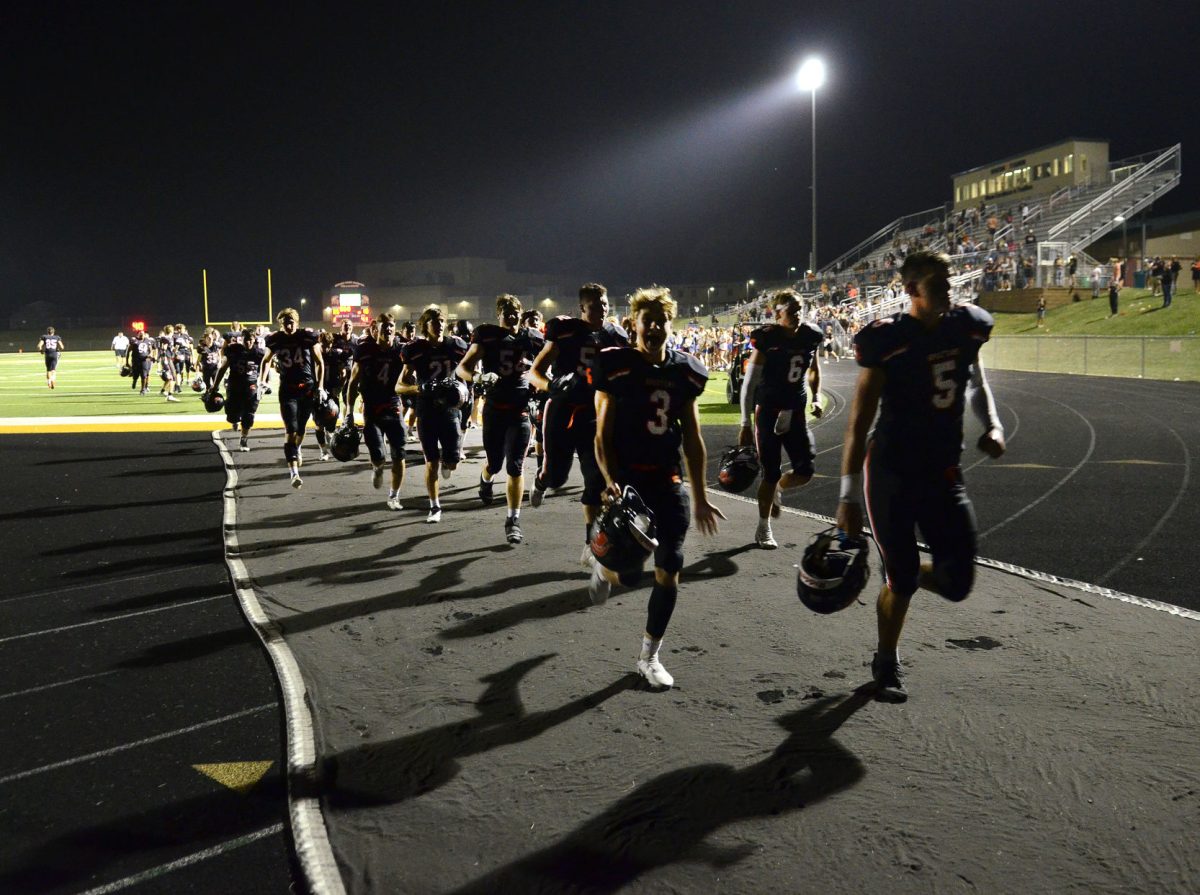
x: 429, y: 360
x: 210, y: 361
x: 50, y: 345
x: 505, y: 351
x: 377, y: 367
x: 297, y: 353
x: 140, y: 360
x: 564, y: 370
x: 341, y: 358
x: 244, y: 360
x: 648, y: 395
x: 783, y: 355
x: 919, y: 369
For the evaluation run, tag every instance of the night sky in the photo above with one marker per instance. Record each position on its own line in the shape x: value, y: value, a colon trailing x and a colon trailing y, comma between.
x: 632, y: 142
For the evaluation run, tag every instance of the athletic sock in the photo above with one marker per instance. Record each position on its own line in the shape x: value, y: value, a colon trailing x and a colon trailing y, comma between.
x: 392, y: 494
x: 514, y: 514
x: 434, y: 505
x: 650, y: 647
x: 888, y: 655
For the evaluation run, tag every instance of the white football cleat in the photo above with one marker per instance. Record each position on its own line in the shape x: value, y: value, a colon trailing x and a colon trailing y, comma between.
x: 763, y: 536
x: 654, y: 673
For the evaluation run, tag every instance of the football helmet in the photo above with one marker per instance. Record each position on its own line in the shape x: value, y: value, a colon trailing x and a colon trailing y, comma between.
x: 325, y: 414
x: 624, y: 536
x: 213, y: 401
x: 197, y: 384
x: 345, y: 442
x: 125, y: 371
x: 739, y: 468
x: 833, y: 571
x: 484, y: 383
x: 450, y: 392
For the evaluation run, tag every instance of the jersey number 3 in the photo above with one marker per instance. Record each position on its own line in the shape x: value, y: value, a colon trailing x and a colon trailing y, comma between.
x: 660, y: 402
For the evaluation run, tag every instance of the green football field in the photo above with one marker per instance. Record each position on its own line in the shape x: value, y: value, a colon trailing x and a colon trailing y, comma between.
x: 88, y: 385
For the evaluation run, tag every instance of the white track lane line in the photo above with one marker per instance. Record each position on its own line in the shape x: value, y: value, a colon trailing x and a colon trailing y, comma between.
x: 1020, y: 571
x: 1070, y: 475
x: 125, y: 747
x: 74, y: 680
x: 55, y: 591
x: 114, y: 618
x: 196, y: 858
x: 309, y: 834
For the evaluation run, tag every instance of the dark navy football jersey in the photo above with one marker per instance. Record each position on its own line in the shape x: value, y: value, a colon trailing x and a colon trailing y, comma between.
x: 142, y: 347
x: 509, y: 354
x: 245, y: 363
x: 51, y: 344
x: 340, y: 355
x: 379, y: 367
x: 210, y: 357
x: 649, y: 406
x: 920, y: 422
x: 431, y: 360
x: 578, y: 345
x: 787, y: 356
x: 294, y: 356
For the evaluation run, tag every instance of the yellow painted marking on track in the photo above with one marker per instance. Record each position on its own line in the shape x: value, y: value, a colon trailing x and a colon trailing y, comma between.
x: 1139, y: 462
x: 1020, y: 466
x: 240, y: 776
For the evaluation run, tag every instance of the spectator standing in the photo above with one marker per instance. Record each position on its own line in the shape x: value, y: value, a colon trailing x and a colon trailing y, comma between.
x: 1167, y: 285
x: 1041, y: 310
x: 120, y: 347
x: 1097, y: 273
x: 1114, y: 291
x: 1173, y: 269
x: 1196, y: 276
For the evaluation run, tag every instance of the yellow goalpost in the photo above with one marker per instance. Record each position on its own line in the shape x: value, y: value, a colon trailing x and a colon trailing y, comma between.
x: 270, y: 310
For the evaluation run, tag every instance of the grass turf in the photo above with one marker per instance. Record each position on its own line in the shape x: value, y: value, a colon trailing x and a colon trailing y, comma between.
x: 1138, y: 314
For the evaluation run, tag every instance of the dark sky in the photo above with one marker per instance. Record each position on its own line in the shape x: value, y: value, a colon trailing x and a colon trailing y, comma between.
x: 627, y: 141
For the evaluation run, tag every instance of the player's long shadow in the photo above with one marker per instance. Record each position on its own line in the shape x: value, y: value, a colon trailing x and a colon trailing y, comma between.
x: 213, y: 469
x: 207, y: 533
x: 714, y: 565
x: 189, y: 648
x: 165, y: 597
x: 307, y: 517
x: 386, y: 773
x: 148, y: 562
x: 433, y: 588
x: 96, y: 458
x: 75, y: 509
x: 669, y: 819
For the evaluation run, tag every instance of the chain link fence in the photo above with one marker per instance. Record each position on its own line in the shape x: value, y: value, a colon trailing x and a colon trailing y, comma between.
x: 1144, y: 357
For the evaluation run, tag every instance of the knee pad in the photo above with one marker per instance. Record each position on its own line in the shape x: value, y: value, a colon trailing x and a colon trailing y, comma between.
x: 515, y: 467
x: 290, y: 450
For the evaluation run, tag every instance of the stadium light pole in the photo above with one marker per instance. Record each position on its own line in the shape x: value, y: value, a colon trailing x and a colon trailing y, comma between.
x: 810, y: 77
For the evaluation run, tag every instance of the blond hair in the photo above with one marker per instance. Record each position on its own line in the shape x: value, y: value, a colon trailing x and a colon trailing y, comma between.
x: 507, y: 302
x: 653, y: 296
x: 287, y: 313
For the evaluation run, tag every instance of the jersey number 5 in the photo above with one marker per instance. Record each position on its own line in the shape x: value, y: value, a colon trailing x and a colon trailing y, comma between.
x: 660, y: 402
x: 944, y: 386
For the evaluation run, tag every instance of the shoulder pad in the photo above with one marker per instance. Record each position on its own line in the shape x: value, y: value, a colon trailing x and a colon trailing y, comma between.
x: 487, y: 332
x: 764, y: 337
x: 561, y: 327
x: 617, y: 332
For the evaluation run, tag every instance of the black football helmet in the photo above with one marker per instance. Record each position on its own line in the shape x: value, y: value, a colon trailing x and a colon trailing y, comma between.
x: 125, y: 371
x: 213, y: 401
x: 624, y: 536
x: 344, y: 443
x: 833, y: 571
x: 739, y: 469
x: 450, y: 392
x: 325, y: 414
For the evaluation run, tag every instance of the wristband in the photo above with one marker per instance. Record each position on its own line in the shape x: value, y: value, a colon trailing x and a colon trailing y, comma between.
x: 851, y: 488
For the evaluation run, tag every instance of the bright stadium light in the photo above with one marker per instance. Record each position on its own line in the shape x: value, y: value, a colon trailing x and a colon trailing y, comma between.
x: 810, y: 77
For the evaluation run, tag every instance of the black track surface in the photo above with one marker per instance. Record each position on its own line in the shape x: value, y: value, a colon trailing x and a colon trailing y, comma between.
x: 1101, y: 481
x: 97, y: 527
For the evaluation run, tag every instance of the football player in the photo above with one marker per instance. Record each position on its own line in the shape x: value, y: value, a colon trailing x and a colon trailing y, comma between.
x: 648, y: 395
x: 297, y: 354
x: 783, y: 355
x: 569, y: 417
x: 505, y: 350
x: 183, y: 355
x: 210, y: 361
x: 377, y: 367
x: 244, y: 360
x: 532, y: 319
x: 429, y: 360
x: 340, y: 358
x: 166, y: 363
x: 919, y: 370
x: 141, y: 360
x: 50, y: 345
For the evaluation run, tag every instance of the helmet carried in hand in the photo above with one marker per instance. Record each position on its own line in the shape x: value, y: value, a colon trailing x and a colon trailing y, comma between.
x: 213, y: 401
x: 344, y: 443
x: 833, y: 571
x: 739, y: 468
x: 325, y: 414
x: 624, y: 535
